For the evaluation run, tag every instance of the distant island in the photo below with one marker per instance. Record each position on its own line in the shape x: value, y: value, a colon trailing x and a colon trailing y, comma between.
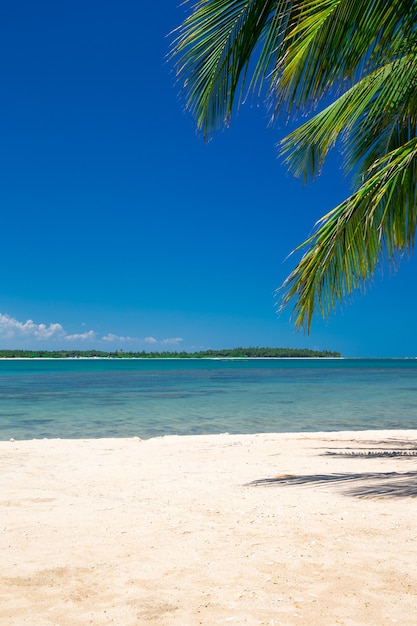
x: 233, y: 353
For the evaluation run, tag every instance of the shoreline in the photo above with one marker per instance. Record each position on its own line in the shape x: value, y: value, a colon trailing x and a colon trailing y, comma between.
x: 258, y: 529
x: 203, y: 358
x: 342, y: 435
x: 216, y: 358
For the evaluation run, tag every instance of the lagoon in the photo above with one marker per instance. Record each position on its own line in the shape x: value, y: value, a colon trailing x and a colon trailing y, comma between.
x: 94, y: 398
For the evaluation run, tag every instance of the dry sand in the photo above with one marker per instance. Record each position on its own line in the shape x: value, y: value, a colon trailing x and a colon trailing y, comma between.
x: 274, y: 529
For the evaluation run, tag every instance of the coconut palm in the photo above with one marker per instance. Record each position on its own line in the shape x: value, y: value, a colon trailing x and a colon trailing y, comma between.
x: 361, y: 57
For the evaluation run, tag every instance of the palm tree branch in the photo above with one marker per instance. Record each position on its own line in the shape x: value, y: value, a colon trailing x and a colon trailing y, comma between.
x: 308, y: 145
x: 335, y: 42
x: 380, y: 219
x: 213, y: 50
x: 365, y: 116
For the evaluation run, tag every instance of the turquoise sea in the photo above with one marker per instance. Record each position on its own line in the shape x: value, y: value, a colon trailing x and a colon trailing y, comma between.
x: 147, y: 398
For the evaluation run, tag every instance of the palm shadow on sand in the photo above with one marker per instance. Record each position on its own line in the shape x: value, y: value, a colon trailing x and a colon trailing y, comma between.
x: 360, y: 484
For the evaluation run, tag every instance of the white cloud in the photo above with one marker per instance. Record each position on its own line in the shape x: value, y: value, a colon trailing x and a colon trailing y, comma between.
x: 15, y: 333
x: 172, y: 341
x: 164, y: 342
x: 83, y: 336
x: 113, y: 337
x: 11, y: 328
x: 45, y: 332
x: 110, y: 337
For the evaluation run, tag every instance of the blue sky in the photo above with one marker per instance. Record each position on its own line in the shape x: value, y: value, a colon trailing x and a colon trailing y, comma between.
x: 123, y: 229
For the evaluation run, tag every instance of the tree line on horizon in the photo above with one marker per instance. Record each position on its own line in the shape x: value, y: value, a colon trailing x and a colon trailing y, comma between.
x: 236, y: 353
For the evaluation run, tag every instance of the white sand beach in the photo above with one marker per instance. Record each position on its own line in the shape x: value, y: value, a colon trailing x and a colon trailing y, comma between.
x: 268, y: 529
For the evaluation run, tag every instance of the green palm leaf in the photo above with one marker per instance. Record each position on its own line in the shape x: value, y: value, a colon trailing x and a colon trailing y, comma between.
x: 336, y: 42
x: 213, y: 49
x: 363, y: 55
x: 379, y: 219
x: 383, y: 100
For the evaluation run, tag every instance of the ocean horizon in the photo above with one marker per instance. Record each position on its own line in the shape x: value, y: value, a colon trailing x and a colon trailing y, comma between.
x: 110, y: 397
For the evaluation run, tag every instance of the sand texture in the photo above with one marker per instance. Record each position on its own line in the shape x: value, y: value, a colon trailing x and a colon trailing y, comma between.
x: 272, y: 529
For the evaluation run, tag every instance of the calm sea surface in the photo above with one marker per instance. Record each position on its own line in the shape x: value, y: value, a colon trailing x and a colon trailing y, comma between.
x: 147, y: 398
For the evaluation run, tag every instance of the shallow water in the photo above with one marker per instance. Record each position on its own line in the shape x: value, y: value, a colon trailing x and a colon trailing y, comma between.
x: 123, y: 398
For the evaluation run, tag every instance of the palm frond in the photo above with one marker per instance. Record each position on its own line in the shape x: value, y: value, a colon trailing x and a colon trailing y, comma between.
x: 379, y: 220
x: 362, y: 54
x: 308, y: 145
x: 336, y: 42
x: 366, y: 116
x: 213, y: 50
x: 390, y: 119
